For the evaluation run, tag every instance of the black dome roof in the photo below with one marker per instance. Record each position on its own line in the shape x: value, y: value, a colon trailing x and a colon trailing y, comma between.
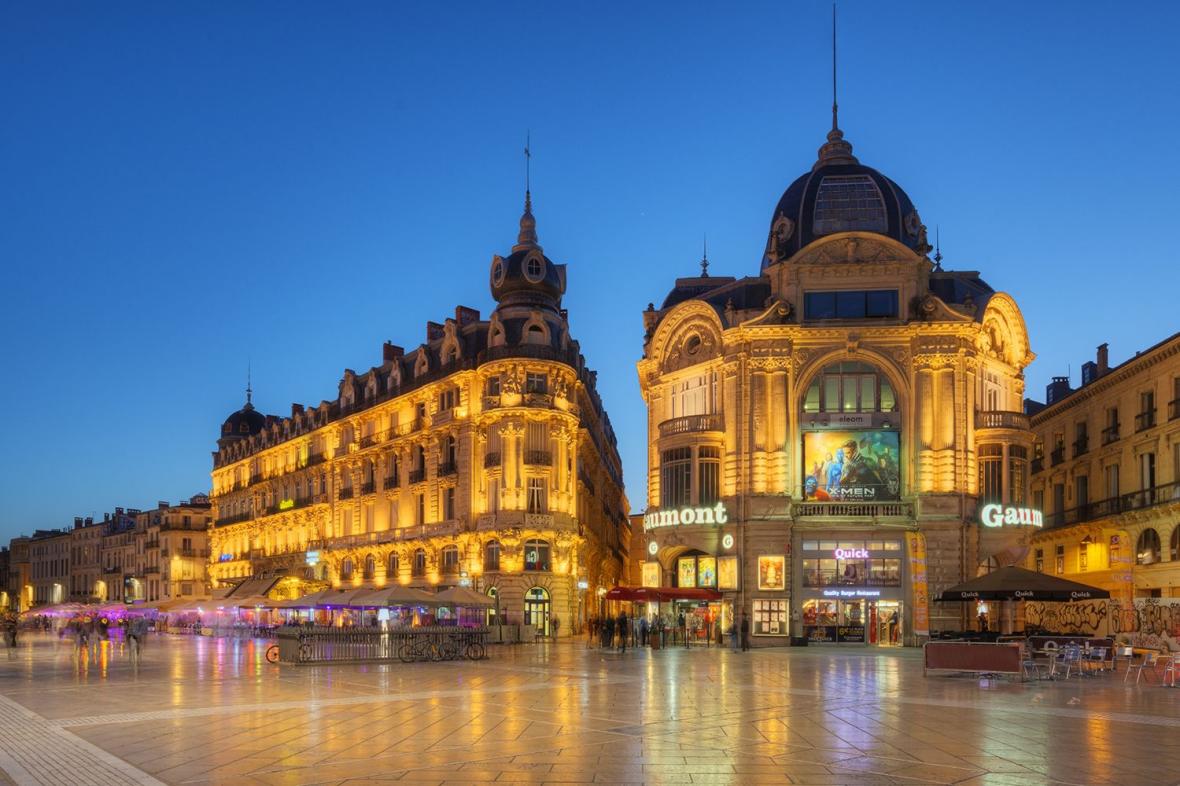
x: 840, y: 194
x: 526, y: 276
x: 246, y: 422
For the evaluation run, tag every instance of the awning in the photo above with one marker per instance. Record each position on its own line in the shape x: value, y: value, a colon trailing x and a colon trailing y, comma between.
x: 657, y: 594
x: 1013, y: 583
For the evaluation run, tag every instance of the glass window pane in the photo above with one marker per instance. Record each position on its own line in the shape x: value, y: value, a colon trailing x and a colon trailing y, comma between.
x: 881, y: 303
x: 868, y: 393
x: 888, y: 400
x: 811, y: 402
x: 831, y: 393
x: 827, y: 545
x: 850, y: 305
x: 819, y: 305
x: 810, y: 545
x: 849, y: 394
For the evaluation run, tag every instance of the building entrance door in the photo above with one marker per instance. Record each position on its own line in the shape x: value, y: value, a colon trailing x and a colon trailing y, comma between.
x: 885, y: 621
x: 536, y: 609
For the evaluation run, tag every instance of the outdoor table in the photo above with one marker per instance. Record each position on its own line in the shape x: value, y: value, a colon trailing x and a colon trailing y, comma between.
x: 1052, y: 655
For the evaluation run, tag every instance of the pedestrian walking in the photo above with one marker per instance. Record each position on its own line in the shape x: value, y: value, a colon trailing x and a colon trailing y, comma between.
x: 745, y: 632
x: 556, y: 626
x: 608, y: 632
x: 733, y: 635
x: 624, y: 630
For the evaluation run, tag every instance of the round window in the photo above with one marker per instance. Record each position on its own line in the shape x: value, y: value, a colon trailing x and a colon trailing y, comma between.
x: 497, y: 272
x: 693, y: 345
x: 534, y: 269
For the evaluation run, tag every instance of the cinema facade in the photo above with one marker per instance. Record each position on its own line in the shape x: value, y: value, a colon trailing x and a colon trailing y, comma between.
x: 823, y: 435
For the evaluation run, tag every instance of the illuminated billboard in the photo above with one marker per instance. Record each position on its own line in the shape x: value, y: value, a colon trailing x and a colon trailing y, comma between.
x: 851, y: 466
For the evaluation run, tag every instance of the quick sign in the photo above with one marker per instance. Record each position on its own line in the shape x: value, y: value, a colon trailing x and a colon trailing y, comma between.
x: 994, y: 515
x: 851, y: 553
x: 685, y: 516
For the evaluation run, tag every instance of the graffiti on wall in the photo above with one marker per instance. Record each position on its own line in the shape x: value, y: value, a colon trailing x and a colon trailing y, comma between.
x: 1146, y: 616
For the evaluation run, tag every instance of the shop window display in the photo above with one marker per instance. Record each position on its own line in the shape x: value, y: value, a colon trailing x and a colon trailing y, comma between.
x: 771, y: 618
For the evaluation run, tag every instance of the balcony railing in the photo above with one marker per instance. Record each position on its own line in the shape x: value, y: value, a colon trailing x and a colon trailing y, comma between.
x: 1174, y: 409
x: 369, y: 440
x: 1145, y: 420
x: 447, y: 468
x: 403, y: 429
x: 255, y: 478
x: 1111, y: 506
x: 1001, y: 419
x: 1080, y: 446
x: 1057, y: 456
x: 346, y: 493
x: 866, y: 509
x: 491, y: 402
x: 369, y: 487
x: 417, y: 475
x: 235, y: 519
x: 390, y: 482
x: 491, y: 459
x: 1037, y: 465
x: 691, y: 424
x: 314, y: 458
x: 539, y: 458
x: 1110, y: 434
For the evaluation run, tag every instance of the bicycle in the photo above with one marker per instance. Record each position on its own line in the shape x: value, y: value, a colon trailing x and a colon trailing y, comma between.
x: 475, y: 651
x: 422, y: 649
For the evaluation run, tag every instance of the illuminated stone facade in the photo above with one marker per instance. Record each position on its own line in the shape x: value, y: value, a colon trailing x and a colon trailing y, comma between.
x: 1107, y: 474
x: 854, y: 360
x: 483, y: 456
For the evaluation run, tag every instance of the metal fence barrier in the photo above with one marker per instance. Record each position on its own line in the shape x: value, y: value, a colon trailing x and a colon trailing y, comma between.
x: 318, y: 644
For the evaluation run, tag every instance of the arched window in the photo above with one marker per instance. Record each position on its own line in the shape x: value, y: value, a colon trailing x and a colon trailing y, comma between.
x: 370, y: 567
x: 535, y: 334
x: 346, y: 569
x: 536, y: 555
x: 393, y: 567
x: 419, y: 567
x: 450, y: 559
x: 491, y: 555
x: 1147, y: 550
x: 850, y: 386
x: 1174, y: 544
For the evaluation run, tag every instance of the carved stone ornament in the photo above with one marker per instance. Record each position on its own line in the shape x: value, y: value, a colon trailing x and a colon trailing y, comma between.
x: 511, y: 383
x: 850, y: 250
x: 852, y: 343
x: 776, y: 313
x: 776, y: 244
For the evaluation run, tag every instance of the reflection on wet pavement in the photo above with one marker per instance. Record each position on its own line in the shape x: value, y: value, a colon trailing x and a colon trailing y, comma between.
x: 202, y: 710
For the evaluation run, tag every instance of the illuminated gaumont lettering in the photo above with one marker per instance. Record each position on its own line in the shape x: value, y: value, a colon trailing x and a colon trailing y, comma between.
x: 994, y: 515
x: 684, y: 516
x: 851, y: 554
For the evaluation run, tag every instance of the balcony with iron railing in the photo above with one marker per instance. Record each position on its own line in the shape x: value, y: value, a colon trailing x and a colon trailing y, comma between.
x: 1112, y: 506
x: 368, y: 487
x: 417, y: 475
x: 1037, y: 465
x: 256, y: 478
x: 1001, y: 419
x: 313, y: 459
x: 1110, y: 434
x: 346, y: 493
x: 538, y: 458
x: 237, y: 518
x: 390, y: 482
x: 1174, y: 409
x: 692, y: 424
x: 1080, y: 446
x: 491, y: 459
x: 853, y: 509
x: 1057, y: 456
x: 447, y: 468
x: 369, y: 440
x: 1145, y: 420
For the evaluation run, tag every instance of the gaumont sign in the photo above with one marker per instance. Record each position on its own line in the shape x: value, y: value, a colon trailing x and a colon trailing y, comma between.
x: 685, y: 516
x: 994, y: 515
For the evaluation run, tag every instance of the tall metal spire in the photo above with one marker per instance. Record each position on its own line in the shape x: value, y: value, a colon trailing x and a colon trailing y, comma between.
x: 704, y: 256
x: 937, y: 249
x: 249, y: 387
x: 835, y: 107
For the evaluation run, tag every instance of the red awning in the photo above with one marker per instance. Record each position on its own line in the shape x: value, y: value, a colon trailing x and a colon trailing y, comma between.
x: 656, y: 594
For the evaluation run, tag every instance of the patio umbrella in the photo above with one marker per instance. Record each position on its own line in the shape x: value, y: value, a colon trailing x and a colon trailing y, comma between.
x: 402, y: 596
x: 463, y: 596
x: 1013, y: 583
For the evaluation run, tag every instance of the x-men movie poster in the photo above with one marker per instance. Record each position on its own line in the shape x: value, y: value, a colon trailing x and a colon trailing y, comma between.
x: 851, y: 466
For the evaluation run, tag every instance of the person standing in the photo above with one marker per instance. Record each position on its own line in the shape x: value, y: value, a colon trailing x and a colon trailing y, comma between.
x: 643, y: 632
x: 733, y: 635
x: 556, y: 626
x: 624, y: 629
x: 681, y: 628
x: 608, y: 632
x: 745, y: 632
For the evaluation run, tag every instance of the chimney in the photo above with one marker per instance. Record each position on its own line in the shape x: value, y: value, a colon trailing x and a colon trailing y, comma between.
x: 89, y: 521
x: 162, y: 504
x: 434, y: 331
x: 296, y: 409
x: 391, y: 352
x: 1103, y: 359
x: 466, y: 316
x: 1057, y: 389
x: 77, y: 522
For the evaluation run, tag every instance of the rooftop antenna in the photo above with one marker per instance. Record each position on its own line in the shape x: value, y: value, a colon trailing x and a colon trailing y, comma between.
x: 937, y: 249
x: 704, y: 256
x: 249, y: 389
x: 835, y: 108
x: 528, y: 160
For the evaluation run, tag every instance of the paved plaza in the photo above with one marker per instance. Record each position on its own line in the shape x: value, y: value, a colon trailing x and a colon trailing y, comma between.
x: 200, y: 711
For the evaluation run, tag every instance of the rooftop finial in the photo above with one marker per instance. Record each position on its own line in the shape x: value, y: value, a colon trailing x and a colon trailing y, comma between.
x: 249, y: 388
x: 527, y: 238
x: 937, y: 249
x: 704, y: 256
x: 836, y: 150
x: 835, y: 108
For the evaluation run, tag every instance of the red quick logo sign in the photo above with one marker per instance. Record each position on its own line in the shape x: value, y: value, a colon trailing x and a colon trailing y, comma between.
x: 852, y: 554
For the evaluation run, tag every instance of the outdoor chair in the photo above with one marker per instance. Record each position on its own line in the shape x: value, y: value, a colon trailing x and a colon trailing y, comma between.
x: 1071, y: 658
x: 1170, y: 668
x: 1097, y: 658
x: 1028, y: 664
x: 1147, y: 662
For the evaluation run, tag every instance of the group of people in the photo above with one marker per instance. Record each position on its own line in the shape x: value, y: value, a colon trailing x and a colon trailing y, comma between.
x: 637, y: 630
x: 86, y: 629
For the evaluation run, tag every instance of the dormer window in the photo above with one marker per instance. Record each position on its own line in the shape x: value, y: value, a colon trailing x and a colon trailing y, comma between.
x: 534, y: 269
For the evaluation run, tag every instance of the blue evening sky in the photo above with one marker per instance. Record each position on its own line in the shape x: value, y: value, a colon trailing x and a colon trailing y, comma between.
x: 184, y: 188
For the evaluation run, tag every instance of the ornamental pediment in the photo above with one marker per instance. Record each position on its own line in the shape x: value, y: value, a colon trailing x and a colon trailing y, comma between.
x: 853, y: 249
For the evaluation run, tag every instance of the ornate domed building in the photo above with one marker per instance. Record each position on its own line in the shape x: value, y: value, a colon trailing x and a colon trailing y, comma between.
x: 481, y: 458
x: 823, y: 434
